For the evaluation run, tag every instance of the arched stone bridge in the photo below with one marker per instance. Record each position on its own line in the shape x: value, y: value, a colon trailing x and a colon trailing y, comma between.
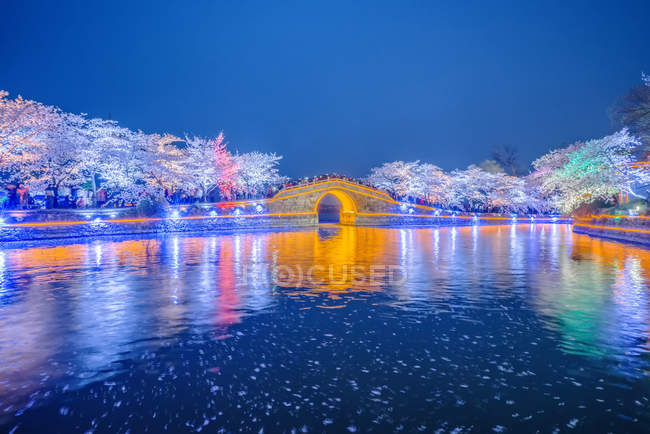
x: 357, y: 201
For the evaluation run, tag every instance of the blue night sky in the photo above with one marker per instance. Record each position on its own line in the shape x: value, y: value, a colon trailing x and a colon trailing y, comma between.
x: 335, y: 86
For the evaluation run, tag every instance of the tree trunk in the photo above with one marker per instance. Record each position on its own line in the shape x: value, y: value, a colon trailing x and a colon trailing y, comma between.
x: 94, y: 191
x: 55, y: 202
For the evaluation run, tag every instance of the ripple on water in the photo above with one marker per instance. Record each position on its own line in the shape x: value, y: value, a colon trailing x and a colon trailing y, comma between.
x: 497, y: 328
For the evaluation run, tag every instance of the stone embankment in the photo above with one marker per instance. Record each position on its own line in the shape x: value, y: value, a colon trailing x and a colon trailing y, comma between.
x: 635, y: 229
x: 52, y: 224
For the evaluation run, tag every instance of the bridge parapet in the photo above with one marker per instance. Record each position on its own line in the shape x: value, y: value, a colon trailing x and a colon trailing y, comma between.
x: 355, y: 199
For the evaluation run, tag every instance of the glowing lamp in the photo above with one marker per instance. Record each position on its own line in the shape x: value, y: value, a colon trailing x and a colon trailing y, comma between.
x: 237, y: 211
x: 175, y: 214
x: 259, y: 209
x: 97, y: 220
x: 411, y: 211
x: 2, y: 222
x: 213, y: 213
x: 403, y: 207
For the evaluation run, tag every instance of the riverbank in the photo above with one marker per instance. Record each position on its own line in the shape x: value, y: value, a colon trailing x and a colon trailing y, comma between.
x: 56, y: 224
x: 631, y: 229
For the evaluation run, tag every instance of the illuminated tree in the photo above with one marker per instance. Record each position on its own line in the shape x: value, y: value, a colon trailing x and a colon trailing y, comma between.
x: 256, y: 171
x: 108, y: 157
x: 164, y: 162
x: 586, y: 172
x: 57, y: 150
x: 402, y: 178
x: 507, y: 193
x: 208, y: 165
x: 469, y: 188
x: 435, y: 182
x: 22, y: 121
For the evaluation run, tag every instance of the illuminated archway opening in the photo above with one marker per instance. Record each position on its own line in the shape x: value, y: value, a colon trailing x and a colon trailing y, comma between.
x: 335, y: 206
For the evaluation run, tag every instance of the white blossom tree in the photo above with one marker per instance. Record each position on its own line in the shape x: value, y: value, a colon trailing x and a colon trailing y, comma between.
x: 470, y: 188
x: 402, y: 178
x: 59, y: 154
x: 22, y: 122
x: 256, y: 171
x: 594, y: 170
x: 436, y: 183
x: 164, y: 162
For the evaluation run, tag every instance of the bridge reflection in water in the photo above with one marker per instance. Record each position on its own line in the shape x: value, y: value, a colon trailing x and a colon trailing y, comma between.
x: 83, y: 304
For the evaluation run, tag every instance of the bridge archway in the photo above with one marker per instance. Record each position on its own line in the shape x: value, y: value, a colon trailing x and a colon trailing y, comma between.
x: 348, y: 208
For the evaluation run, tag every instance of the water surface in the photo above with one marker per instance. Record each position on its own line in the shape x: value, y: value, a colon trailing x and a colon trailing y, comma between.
x: 504, y: 328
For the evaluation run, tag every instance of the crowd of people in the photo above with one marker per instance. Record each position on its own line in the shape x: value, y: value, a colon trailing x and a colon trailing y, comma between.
x: 18, y: 196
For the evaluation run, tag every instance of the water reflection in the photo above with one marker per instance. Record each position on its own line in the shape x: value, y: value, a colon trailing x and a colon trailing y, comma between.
x: 72, y: 314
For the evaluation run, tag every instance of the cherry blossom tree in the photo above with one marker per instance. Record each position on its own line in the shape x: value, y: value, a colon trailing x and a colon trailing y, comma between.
x: 22, y: 121
x: 590, y: 171
x: 507, y: 193
x: 469, y: 188
x: 402, y: 178
x: 163, y: 162
x: 256, y: 171
x: 58, y: 147
x: 435, y: 182
x: 107, y: 156
x: 208, y: 165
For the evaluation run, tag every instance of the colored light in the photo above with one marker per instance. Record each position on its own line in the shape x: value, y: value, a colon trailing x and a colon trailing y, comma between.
x: 613, y: 228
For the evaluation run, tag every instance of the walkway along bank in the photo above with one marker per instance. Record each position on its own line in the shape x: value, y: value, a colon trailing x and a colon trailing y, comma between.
x: 294, y: 207
x: 634, y: 229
